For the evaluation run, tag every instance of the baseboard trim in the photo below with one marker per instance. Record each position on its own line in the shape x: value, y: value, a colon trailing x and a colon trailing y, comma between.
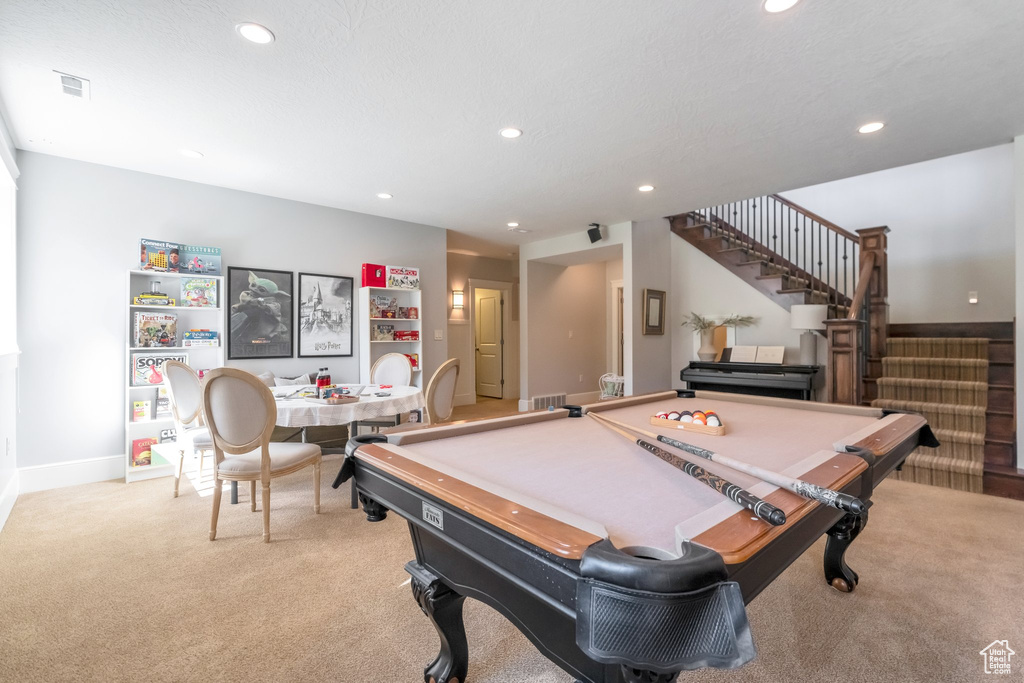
x: 583, y: 398
x: 70, y: 473
x: 7, y: 499
x: 465, y: 399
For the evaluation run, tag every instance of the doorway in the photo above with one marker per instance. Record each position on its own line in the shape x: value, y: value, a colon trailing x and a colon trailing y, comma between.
x: 489, y: 341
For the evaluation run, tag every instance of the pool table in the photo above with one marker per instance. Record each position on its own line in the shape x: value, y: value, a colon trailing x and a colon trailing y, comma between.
x: 615, y: 564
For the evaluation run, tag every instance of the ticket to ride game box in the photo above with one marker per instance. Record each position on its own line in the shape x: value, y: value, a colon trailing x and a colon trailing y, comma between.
x: 155, y: 329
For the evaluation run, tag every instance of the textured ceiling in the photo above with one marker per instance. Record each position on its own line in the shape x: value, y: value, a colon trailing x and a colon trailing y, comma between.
x: 708, y: 101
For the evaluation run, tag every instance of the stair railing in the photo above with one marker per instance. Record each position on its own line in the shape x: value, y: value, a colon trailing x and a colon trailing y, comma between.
x: 814, y: 252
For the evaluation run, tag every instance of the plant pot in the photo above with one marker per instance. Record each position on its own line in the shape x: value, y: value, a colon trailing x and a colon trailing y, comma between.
x: 707, y: 350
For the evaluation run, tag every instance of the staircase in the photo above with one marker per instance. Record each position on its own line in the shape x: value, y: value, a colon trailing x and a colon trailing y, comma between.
x: 791, y: 255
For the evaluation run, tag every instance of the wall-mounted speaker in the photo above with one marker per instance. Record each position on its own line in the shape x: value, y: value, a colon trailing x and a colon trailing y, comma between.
x: 594, y: 233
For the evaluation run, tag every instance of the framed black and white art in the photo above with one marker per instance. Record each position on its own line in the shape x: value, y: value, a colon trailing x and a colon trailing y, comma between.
x: 260, y: 313
x: 325, y: 315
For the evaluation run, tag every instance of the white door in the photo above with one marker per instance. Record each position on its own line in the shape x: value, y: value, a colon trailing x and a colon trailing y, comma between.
x: 487, y: 324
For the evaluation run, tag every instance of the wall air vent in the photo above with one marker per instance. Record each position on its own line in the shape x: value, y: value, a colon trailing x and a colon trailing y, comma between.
x: 73, y: 86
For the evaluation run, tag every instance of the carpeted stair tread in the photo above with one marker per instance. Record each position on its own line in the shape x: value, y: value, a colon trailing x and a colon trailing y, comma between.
x: 946, y: 380
x: 957, y: 369
x: 940, y: 415
x: 937, y: 347
x: 933, y: 390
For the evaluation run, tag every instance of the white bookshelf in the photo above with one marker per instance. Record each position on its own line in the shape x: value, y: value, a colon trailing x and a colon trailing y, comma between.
x: 369, y: 350
x: 200, y: 357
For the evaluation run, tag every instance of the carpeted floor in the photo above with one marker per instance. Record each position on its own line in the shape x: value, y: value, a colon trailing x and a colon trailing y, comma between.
x: 114, y: 582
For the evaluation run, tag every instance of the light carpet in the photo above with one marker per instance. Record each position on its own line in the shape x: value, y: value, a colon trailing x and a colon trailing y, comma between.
x: 115, y: 582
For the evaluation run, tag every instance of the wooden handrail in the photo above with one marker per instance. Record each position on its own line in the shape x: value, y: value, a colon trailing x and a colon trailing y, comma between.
x: 815, y: 217
x: 863, y: 282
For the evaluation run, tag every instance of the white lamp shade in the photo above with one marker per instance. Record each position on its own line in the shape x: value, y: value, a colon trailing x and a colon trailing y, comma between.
x: 808, y: 316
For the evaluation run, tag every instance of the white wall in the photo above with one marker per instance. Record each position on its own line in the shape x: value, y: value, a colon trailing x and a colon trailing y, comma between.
x: 79, y: 226
x: 461, y: 269
x: 952, y: 222
x: 568, y: 327
x: 652, y: 269
x: 8, y: 327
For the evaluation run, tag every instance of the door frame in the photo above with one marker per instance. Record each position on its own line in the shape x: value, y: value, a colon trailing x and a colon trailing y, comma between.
x: 506, y: 324
x: 616, y: 332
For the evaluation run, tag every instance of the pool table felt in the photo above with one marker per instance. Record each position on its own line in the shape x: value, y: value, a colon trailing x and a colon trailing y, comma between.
x: 585, y: 475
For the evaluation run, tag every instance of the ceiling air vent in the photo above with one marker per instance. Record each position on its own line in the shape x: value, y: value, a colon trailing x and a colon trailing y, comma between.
x: 73, y: 86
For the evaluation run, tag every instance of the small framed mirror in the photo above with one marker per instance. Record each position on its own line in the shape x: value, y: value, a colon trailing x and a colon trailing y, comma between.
x: 654, y: 311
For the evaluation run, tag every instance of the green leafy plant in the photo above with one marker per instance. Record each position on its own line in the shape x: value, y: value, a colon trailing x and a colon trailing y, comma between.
x: 702, y: 324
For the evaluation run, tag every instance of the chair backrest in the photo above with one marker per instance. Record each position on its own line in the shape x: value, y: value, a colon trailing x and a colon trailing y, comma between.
x: 185, y: 391
x: 441, y: 391
x: 240, y: 410
x: 392, y: 368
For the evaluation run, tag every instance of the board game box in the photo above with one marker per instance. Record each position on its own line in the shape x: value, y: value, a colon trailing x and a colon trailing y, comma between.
x: 163, y: 403
x: 147, y: 366
x: 373, y: 275
x: 382, y: 332
x: 200, y: 260
x: 141, y: 410
x: 414, y: 360
x: 142, y: 452
x: 403, y: 277
x: 407, y: 335
x: 198, y: 292
x: 160, y: 256
x: 155, y: 330
x: 383, y: 306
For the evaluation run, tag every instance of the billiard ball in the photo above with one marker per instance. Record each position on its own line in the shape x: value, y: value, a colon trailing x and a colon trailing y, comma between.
x: 673, y: 415
x: 713, y: 421
x: 687, y: 416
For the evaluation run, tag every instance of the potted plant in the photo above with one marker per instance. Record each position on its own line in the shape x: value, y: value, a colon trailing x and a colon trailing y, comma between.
x: 706, y: 328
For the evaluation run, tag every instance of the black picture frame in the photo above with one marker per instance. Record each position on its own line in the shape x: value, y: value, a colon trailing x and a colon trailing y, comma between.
x: 259, y: 313
x: 326, y: 312
x: 654, y: 311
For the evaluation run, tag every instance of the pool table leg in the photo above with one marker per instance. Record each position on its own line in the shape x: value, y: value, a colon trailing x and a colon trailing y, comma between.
x: 840, y: 536
x: 443, y: 607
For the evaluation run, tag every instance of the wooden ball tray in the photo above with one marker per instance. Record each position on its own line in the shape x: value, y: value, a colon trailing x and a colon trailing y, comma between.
x: 688, y: 426
x: 334, y: 400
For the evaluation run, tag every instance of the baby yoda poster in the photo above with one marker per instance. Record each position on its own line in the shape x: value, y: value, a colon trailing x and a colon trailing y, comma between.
x: 260, y: 313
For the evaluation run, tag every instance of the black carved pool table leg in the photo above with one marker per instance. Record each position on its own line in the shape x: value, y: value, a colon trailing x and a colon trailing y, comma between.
x: 444, y: 608
x: 840, y: 536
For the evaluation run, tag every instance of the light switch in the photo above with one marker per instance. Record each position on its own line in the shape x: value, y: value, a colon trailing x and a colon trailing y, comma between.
x: 438, y: 335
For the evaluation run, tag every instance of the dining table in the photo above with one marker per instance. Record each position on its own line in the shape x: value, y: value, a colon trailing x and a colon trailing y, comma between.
x: 297, y: 406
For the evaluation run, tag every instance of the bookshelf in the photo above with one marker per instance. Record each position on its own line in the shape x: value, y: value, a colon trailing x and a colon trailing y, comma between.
x: 200, y: 357
x: 370, y: 349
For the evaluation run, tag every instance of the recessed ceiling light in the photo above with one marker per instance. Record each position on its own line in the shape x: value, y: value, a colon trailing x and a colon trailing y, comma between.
x: 513, y: 225
x: 646, y: 188
x: 873, y: 127
x: 384, y: 195
x: 510, y: 133
x: 255, y: 33
x: 521, y: 230
x: 190, y: 153
x: 775, y: 6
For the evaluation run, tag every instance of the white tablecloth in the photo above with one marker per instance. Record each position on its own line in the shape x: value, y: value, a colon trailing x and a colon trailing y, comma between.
x: 298, y: 412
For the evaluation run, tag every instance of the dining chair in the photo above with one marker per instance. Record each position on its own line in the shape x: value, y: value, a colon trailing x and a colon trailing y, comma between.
x: 440, y: 399
x: 394, y: 369
x: 240, y: 413
x: 186, y: 398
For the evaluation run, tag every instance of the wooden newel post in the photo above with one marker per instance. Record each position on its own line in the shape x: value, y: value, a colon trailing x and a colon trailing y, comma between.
x: 874, y: 241
x: 844, y: 377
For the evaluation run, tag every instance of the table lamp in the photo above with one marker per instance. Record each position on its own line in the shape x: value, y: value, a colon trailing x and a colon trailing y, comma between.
x: 808, y: 317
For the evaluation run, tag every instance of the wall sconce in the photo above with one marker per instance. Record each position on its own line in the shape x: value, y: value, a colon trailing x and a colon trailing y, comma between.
x: 457, y: 298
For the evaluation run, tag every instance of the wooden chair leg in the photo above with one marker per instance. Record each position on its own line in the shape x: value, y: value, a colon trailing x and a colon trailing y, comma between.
x: 177, y: 471
x: 266, y: 512
x: 252, y: 494
x: 217, y: 485
x: 316, y: 486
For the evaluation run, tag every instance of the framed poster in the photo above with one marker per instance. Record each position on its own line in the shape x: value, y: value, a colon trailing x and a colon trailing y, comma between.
x: 260, y: 314
x: 325, y: 315
x: 654, y: 311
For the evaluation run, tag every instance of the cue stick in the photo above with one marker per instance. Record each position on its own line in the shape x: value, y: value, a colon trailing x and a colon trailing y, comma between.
x: 736, y: 494
x: 820, y: 494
